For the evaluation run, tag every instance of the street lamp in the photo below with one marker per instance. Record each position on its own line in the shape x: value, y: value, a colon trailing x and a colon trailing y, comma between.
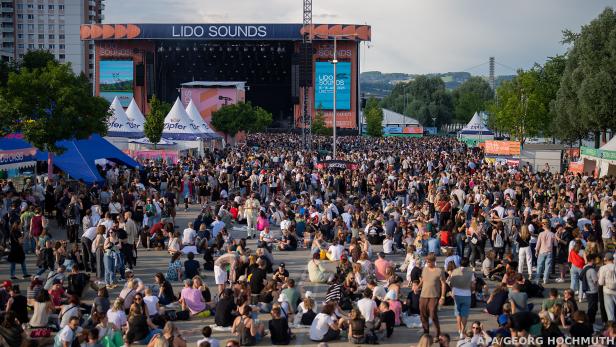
x: 335, y: 62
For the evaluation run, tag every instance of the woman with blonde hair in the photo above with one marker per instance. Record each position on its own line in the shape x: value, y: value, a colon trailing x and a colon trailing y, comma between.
x: 425, y: 341
x: 524, y: 251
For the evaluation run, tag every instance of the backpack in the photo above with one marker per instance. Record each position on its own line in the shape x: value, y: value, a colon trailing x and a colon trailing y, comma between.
x: 246, y: 339
x: 584, y: 279
x: 610, y: 279
x: 308, y: 317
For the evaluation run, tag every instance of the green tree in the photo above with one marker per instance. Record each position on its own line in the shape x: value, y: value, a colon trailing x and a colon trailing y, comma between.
x: 586, y: 99
x: 232, y: 119
x: 471, y: 96
x: 374, y: 118
x: 319, y: 127
x: 49, y: 104
x: 38, y: 59
x: 155, y: 120
x: 520, y: 109
x: 426, y: 99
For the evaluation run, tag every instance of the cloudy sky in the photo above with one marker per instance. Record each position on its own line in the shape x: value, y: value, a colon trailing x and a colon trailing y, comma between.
x: 413, y: 36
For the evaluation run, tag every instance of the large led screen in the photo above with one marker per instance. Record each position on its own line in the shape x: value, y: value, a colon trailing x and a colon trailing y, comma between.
x: 116, y: 79
x: 324, y: 86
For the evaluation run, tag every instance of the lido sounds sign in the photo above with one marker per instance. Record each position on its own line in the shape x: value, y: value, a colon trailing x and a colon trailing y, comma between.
x: 220, y: 31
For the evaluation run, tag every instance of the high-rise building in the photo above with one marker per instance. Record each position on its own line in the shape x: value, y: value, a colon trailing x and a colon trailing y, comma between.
x: 51, y: 25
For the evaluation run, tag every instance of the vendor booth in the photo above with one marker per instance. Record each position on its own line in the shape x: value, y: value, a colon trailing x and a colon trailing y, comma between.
x: 475, y: 131
x: 17, y: 157
x: 541, y: 156
x: 79, y: 158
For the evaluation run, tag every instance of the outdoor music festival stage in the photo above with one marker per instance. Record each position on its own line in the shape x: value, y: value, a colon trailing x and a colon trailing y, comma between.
x: 142, y: 60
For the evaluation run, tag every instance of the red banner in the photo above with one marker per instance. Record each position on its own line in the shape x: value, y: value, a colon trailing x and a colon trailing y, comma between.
x: 502, y: 147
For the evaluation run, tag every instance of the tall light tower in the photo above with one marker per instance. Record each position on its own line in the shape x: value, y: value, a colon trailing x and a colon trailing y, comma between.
x: 492, y: 79
x: 306, y: 68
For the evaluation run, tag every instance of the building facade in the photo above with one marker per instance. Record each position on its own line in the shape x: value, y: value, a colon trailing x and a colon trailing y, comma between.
x: 51, y: 25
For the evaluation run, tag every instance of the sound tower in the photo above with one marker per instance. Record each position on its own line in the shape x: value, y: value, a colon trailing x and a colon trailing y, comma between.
x: 295, y: 68
x: 305, y: 73
x: 139, y: 74
x: 149, y: 74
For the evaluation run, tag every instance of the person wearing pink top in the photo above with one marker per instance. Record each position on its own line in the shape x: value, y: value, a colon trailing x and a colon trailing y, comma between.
x: 546, y: 241
x: 380, y: 267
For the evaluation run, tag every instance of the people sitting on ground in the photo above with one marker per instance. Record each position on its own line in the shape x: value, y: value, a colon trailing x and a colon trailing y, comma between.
x: 248, y: 331
x: 279, y: 328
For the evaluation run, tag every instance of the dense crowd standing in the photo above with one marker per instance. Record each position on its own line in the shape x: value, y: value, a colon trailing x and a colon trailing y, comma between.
x: 505, y: 233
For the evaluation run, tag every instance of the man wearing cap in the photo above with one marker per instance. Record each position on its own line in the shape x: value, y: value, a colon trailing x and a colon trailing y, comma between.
x: 607, y: 280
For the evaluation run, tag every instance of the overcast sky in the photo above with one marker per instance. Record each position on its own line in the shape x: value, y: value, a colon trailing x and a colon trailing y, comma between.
x: 413, y: 36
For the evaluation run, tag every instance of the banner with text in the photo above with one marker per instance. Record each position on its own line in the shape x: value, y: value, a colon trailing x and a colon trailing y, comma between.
x: 324, y: 86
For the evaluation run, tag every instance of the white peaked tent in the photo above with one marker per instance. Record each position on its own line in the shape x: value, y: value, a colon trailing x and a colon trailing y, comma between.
x: 118, y: 124
x: 195, y: 116
x: 178, y: 125
x: 135, y: 117
x: 607, y: 164
x: 475, y: 129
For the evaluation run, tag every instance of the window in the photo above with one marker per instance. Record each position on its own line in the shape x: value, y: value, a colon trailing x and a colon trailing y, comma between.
x: 20, y: 46
x: 41, y: 7
x: 30, y: 27
x: 30, y: 6
x: 51, y: 7
x: 20, y: 36
x: 41, y: 27
x: 61, y: 26
x: 31, y: 46
x: 20, y: 26
x: 52, y: 36
x: 61, y: 46
x: 41, y: 46
x: 61, y: 7
x: 52, y: 46
x: 20, y: 16
x: 41, y: 36
x: 30, y: 16
x: 30, y: 37
x: 61, y: 56
x: 61, y: 36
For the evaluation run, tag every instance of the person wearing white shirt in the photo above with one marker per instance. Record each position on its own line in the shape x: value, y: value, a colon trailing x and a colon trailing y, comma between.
x: 334, y: 252
x: 606, y: 228
x: 347, y: 218
x: 189, y: 235
x: 388, y: 245
x: 217, y: 226
x: 367, y: 307
x: 151, y: 302
x: 285, y: 224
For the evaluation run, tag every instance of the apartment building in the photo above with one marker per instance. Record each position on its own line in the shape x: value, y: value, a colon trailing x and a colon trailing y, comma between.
x: 51, y: 25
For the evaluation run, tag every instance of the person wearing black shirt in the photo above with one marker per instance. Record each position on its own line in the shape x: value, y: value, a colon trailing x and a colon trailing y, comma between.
x: 77, y: 282
x: 191, y: 266
x: 18, y: 304
x: 257, y: 280
x: 279, y: 328
x: 412, y: 300
x: 387, y: 319
x: 165, y: 292
x: 224, y: 309
x: 281, y: 274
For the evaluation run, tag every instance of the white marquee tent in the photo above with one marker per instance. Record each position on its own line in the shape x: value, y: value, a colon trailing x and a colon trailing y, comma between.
x: 118, y: 124
x: 180, y: 128
x: 196, y: 118
x: 607, y: 163
x: 135, y: 117
x: 476, y: 129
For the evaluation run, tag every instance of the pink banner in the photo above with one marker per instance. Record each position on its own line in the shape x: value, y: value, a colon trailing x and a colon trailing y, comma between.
x: 171, y: 156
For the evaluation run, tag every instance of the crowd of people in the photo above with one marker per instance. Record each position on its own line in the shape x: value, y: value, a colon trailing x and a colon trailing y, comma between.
x: 472, y: 235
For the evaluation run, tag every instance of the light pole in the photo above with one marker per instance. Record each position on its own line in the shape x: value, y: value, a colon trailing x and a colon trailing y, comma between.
x: 335, y: 62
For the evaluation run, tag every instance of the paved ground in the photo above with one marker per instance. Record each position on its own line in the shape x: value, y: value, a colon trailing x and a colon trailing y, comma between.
x: 150, y: 262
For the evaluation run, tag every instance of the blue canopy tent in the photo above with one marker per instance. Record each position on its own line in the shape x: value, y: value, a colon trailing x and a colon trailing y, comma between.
x: 16, y: 153
x: 80, y: 156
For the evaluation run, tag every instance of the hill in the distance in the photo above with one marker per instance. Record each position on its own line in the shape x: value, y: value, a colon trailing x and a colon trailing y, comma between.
x: 378, y: 84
